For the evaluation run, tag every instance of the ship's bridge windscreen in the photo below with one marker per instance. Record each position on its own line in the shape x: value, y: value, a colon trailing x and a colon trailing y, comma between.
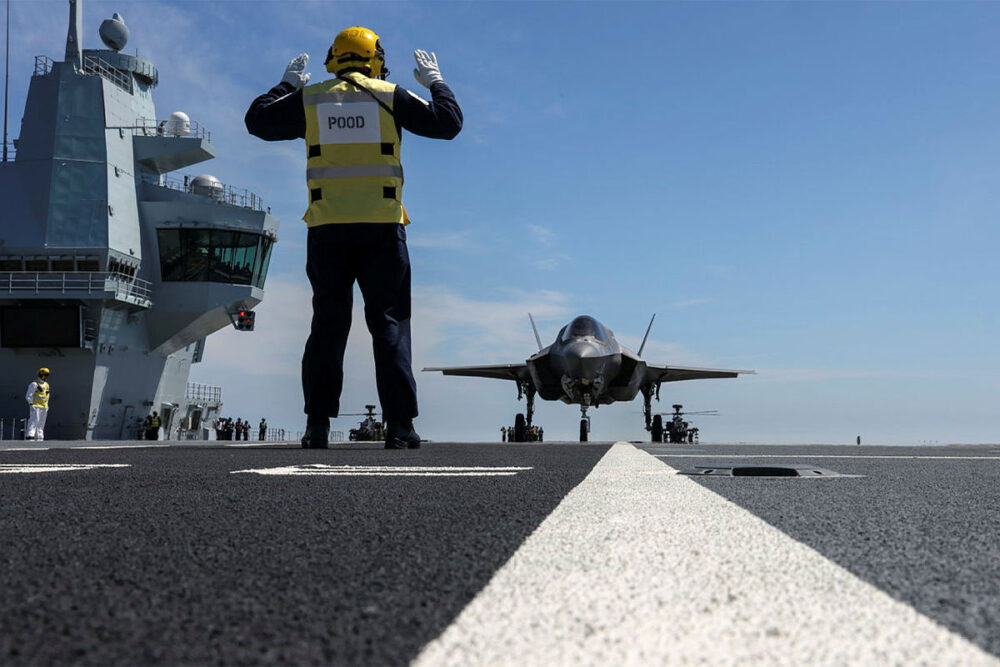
x: 214, y: 255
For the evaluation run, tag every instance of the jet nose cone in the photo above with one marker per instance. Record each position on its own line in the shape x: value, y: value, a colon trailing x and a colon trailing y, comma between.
x: 581, y: 349
x: 582, y: 360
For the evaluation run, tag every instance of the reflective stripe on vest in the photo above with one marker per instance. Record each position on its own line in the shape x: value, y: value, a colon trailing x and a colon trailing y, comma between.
x: 368, y: 171
x: 313, y: 99
x: 352, y: 148
x: 40, y: 397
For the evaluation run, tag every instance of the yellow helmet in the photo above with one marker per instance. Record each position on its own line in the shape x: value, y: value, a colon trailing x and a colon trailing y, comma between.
x: 43, y: 371
x: 357, y: 48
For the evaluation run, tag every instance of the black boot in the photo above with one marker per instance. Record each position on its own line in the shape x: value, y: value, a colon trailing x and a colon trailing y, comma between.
x: 400, y: 435
x: 317, y: 433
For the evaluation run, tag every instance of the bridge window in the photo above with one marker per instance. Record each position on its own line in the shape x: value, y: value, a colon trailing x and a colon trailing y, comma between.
x: 214, y: 255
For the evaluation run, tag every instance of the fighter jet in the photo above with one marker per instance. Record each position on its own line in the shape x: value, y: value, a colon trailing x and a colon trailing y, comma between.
x: 586, y: 366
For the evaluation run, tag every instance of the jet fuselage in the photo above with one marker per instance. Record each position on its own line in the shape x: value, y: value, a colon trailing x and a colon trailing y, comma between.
x: 586, y: 365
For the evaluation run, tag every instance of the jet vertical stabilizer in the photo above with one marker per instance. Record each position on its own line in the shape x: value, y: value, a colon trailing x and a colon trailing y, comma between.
x: 538, y: 339
x: 646, y: 337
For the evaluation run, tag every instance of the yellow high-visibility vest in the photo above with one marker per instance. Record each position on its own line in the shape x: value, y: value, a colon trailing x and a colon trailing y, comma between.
x: 352, y: 149
x: 40, y: 397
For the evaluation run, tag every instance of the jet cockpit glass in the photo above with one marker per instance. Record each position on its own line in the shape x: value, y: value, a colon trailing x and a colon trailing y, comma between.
x: 584, y: 325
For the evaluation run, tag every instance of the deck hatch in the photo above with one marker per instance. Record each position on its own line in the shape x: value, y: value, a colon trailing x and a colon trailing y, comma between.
x: 791, y: 470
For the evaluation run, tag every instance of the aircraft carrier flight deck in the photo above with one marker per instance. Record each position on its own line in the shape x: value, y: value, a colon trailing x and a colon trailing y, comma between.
x: 557, y: 553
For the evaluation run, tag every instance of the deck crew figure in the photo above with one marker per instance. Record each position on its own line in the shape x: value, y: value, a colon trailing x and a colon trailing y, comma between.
x: 38, y: 400
x: 153, y: 426
x: 353, y: 126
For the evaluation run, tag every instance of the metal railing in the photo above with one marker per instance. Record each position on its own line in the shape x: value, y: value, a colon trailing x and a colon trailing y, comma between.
x: 124, y: 288
x: 12, y: 428
x: 94, y: 65
x: 43, y: 65
x: 150, y: 127
x: 226, y: 194
x: 203, y: 392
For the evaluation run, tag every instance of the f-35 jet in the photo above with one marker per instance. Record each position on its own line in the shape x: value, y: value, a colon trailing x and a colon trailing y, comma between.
x: 586, y: 366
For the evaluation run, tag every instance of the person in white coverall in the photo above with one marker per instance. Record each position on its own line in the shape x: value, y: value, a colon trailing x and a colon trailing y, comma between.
x: 38, y: 398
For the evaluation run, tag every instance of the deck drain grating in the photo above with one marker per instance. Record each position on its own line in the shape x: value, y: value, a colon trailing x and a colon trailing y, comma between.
x: 761, y: 471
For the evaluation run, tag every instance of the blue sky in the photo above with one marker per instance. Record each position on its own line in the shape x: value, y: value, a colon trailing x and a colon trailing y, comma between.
x: 805, y: 189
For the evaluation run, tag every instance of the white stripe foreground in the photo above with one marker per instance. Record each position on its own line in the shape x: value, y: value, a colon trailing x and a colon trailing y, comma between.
x: 639, y: 569
x: 387, y: 471
x: 8, y: 468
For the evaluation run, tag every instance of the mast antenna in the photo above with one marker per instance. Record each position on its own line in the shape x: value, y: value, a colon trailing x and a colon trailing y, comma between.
x: 74, y: 52
x: 6, y: 84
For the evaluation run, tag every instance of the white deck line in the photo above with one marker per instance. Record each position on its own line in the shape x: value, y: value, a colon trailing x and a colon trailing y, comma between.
x: 386, y: 471
x: 633, y: 568
x: 18, y: 468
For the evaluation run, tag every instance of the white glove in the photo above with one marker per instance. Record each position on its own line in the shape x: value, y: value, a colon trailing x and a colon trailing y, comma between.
x: 295, y: 73
x: 427, y: 71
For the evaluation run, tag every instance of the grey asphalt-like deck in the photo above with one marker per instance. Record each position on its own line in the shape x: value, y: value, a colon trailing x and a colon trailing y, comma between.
x: 178, y: 556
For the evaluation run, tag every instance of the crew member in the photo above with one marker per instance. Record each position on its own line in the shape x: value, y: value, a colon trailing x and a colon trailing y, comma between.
x: 263, y: 429
x: 153, y: 426
x: 353, y: 126
x: 38, y: 400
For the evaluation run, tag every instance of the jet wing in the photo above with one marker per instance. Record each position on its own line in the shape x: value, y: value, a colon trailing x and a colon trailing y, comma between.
x: 498, y: 371
x: 656, y: 374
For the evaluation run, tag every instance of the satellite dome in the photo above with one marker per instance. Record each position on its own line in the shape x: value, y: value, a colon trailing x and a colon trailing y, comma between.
x: 114, y: 32
x: 179, y: 124
x: 207, y: 185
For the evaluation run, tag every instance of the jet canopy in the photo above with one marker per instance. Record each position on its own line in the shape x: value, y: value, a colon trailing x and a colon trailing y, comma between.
x: 585, y: 325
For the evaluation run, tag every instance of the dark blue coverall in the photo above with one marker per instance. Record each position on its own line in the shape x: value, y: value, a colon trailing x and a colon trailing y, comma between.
x: 373, y: 254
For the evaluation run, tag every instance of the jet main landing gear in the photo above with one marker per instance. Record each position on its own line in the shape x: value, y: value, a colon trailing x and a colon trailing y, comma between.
x: 520, y: 429
x: 522, y: 420
x: 656, y: 431
x: 654, y: 424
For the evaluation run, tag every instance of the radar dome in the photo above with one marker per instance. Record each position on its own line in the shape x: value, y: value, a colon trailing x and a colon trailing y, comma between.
x: 179, y: 124
x: 207, y: 185
x: 114, y: 32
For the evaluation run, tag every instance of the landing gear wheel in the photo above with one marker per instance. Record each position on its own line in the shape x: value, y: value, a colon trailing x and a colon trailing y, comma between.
x: 657, y: 430
x: 584, y: 428
x: 519, y: 428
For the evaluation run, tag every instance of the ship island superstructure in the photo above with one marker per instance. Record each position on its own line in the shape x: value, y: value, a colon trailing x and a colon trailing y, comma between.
x: 113, y: 268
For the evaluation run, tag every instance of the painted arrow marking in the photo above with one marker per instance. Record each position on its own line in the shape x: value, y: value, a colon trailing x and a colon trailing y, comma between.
x: 6, y: 468
x: 387, y: 471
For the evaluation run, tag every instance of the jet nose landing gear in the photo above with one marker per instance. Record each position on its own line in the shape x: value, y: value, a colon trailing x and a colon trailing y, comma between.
x: 584, y: 419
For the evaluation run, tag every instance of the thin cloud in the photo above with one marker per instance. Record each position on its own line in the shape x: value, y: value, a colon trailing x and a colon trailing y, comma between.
x: 454, y: 328
x: 541, y: 235
x: 550, y: 263
x: 260, y: 370
x: 819, y: 374
x: 686, y: 303
x: 456, y: 241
